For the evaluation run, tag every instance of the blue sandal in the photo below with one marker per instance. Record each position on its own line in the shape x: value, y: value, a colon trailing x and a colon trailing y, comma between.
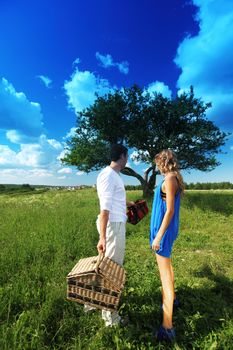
x: 164, y: 334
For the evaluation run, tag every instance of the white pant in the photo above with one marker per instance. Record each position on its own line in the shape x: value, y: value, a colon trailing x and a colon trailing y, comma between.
x: 115, y: 250
x: 115, y: 241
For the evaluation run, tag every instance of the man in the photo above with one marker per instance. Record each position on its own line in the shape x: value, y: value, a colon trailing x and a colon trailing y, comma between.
x: 111, y: 222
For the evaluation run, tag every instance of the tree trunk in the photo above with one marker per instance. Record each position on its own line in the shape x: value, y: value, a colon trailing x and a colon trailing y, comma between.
x: 147, y: 185
x: 147, y: 191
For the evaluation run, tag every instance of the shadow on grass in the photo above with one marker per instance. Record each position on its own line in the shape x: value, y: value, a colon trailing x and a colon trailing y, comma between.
x: 203, y: 311
x: 216, y: 202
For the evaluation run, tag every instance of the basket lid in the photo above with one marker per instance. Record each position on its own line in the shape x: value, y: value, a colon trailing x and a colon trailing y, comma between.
x: 84, y: 266
x: 113, y: 272
x: 107, y: 268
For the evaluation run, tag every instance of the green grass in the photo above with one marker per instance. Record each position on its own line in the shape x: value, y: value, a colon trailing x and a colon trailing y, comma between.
x: 43, y: 235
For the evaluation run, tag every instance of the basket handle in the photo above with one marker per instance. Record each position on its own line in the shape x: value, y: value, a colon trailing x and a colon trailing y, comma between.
x: 99, y: 260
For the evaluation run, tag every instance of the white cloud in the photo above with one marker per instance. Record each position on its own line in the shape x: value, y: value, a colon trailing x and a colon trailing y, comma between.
x: 43, y: 154
x: 123, y: 67
x: 76, y: 62
x: 40, y: 173
x: 33, y: 158
x: 35, y: 155
x: 80, y: 173
x: 20, y: 118
x: 7, y: 156
x: 16, y: 173
x: 30, y: 155
x: 70, y: 133
x: 65, y: 171
x: 36, y: 163
x: 133, y: 156
x: 18, y: 137
x: 206, y: 59
x: 159, y: 88
x: 55, y: 144
x: 106, y: 61
x: 62, y: 154
x: 45, y: 80
x: 82, y: 88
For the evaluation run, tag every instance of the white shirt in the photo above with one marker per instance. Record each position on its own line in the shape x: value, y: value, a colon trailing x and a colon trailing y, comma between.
x: 111, y: 193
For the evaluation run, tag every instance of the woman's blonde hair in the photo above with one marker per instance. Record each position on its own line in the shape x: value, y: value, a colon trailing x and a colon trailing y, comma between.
x: 166, y: 161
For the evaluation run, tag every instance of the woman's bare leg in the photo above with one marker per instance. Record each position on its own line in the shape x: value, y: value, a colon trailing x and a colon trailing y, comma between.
x: 173, y: 281
x: 167, y: 280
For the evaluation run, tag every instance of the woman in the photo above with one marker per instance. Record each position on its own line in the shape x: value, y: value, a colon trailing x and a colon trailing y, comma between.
x: 163, y: 232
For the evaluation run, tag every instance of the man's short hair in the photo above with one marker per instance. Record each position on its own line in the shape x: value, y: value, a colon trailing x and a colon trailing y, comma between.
x: 116, y: 151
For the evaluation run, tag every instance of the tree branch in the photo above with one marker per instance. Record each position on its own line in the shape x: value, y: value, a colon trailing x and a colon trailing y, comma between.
x: 130, y: 172
x: 146, y: 173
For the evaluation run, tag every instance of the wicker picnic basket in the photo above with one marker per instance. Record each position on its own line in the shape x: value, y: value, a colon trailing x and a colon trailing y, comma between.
x: 97, y: 281
x: 137, y: 211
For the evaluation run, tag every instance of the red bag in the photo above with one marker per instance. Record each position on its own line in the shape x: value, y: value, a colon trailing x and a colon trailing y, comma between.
x: 137, y: 211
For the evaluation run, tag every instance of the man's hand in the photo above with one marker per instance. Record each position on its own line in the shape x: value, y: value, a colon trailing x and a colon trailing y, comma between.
x: 101, y: 246
x: 156, y: 243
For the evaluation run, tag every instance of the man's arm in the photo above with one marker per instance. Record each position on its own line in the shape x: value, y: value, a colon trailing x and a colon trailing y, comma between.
x: 103, y: 218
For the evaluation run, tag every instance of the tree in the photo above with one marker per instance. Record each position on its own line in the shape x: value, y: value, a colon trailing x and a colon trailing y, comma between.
x: 146, y: 123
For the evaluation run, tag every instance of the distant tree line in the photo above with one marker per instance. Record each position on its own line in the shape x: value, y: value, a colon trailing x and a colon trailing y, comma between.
x: 209, y: 186
x: 194, y: 186
x: 191, y: 186
x: 16, y: 188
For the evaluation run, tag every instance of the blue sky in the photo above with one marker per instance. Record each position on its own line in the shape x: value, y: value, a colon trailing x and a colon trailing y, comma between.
x: 55, y: 55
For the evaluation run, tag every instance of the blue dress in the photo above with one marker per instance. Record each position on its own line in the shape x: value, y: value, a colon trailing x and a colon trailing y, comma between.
x: 158, y: 211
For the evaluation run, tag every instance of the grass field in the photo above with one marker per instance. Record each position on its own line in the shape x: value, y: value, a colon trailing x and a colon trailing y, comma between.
x: 42, y: 235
